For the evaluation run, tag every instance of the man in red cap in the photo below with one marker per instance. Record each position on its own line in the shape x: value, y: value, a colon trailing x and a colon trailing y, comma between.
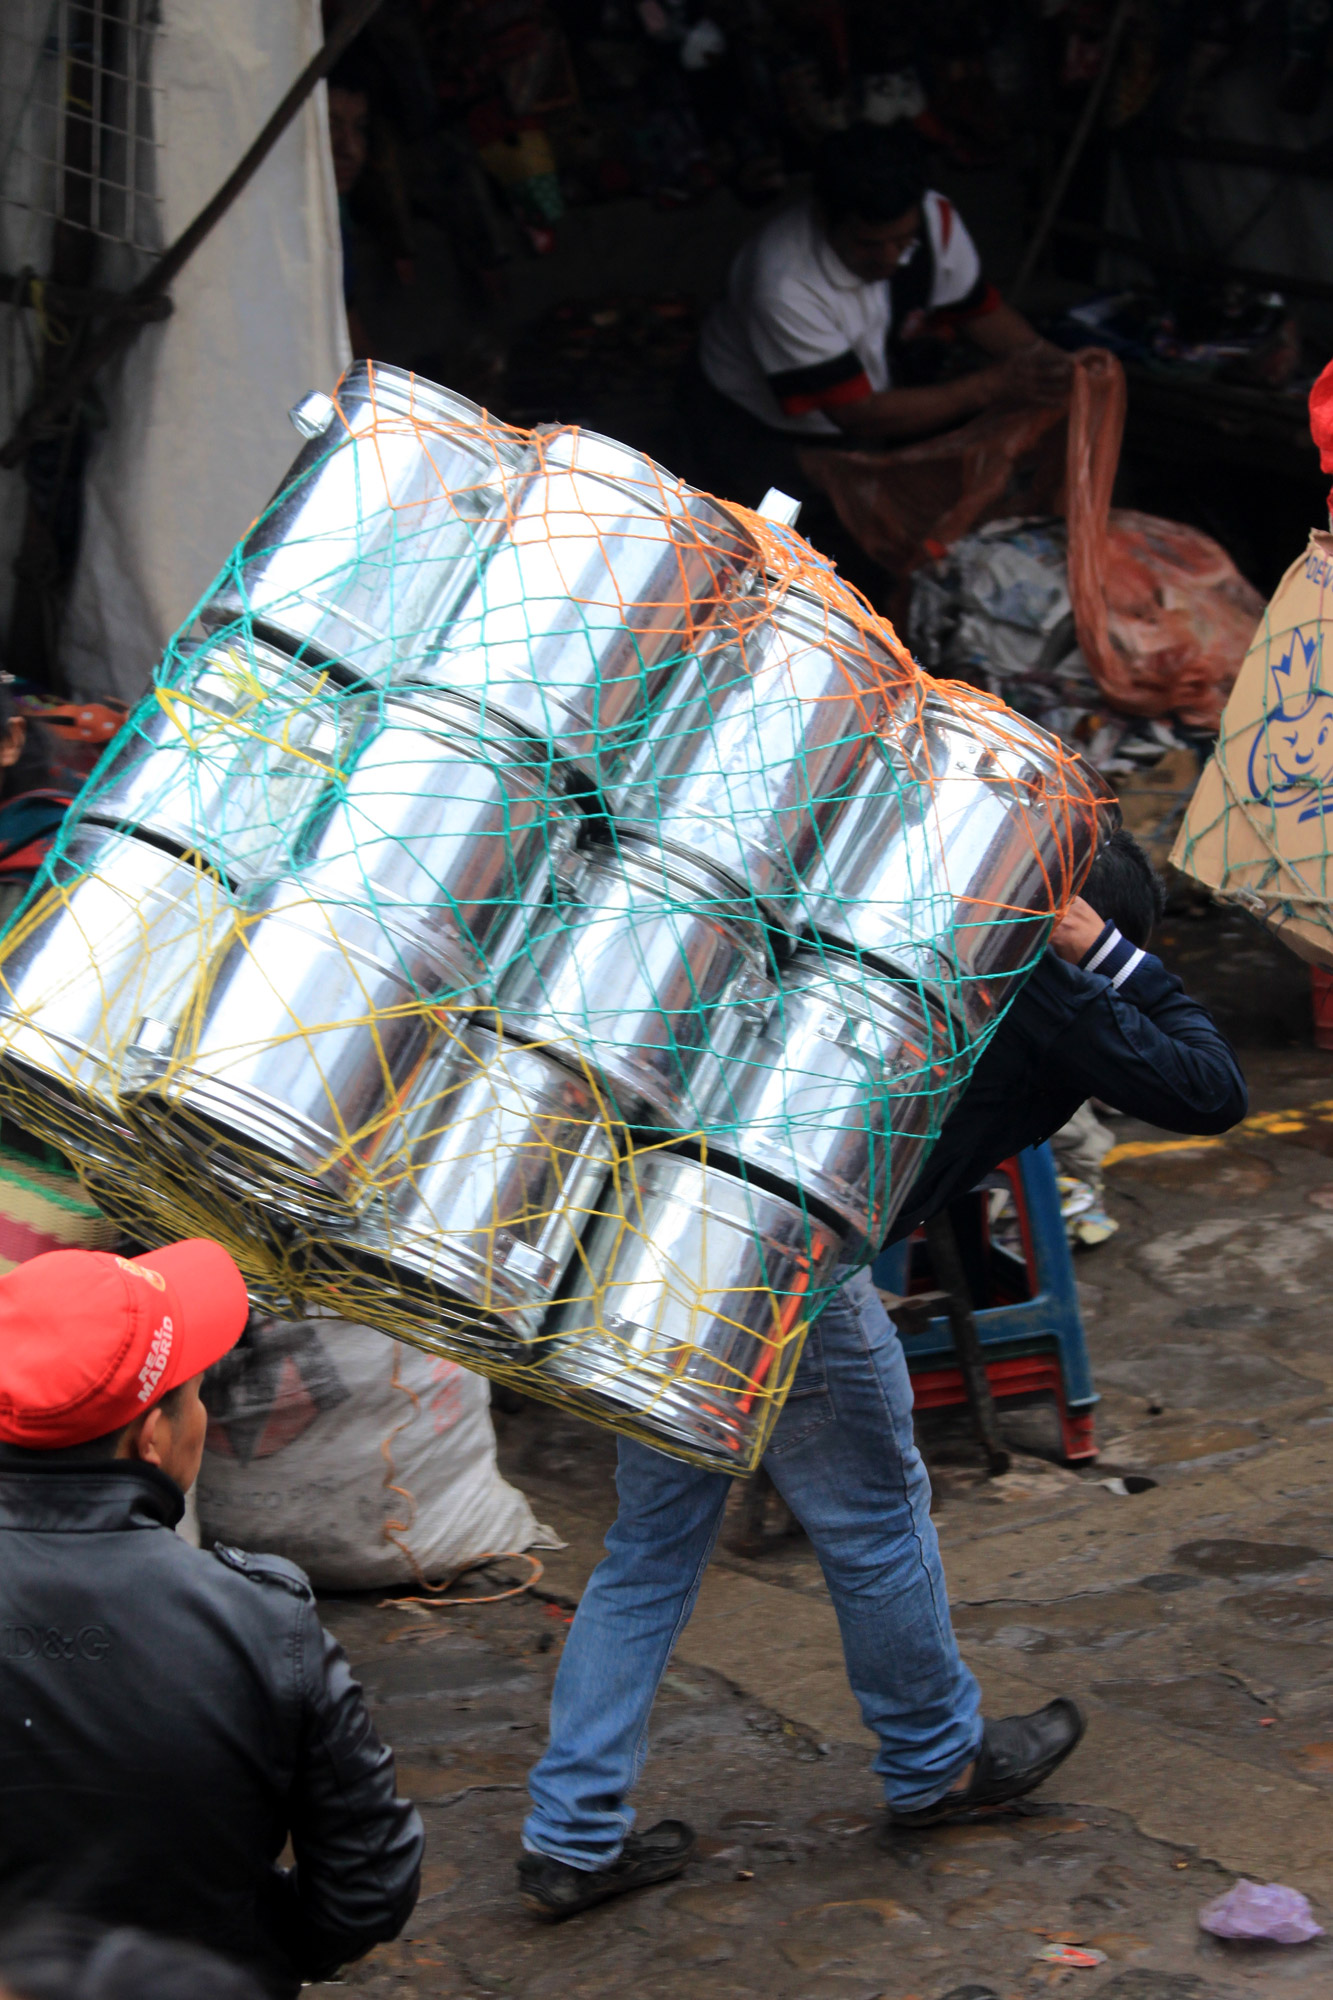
x: 169, y: 1717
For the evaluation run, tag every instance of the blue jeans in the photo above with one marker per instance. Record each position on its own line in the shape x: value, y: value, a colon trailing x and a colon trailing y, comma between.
x: 844, y: 1460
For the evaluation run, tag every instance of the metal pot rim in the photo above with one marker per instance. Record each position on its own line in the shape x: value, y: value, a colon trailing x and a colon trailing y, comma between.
x: 350, y: 918
x: 309, y: 675
x: 776, y: 900
x: 870, y: 991
x: 550, y: 1077
x: 814, y: 619
x: 446, y: 715
x: 426, y: 403
x: 1005, y: 735
x: 88, y: 838
x: 374, y: 1258
x: 286, y: 1136
x: 633, y: 856
x: 561, y: 448
x: 662, y: 1173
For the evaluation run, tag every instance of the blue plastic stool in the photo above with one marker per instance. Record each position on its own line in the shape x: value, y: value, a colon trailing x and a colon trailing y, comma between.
x: 1047, y: 1322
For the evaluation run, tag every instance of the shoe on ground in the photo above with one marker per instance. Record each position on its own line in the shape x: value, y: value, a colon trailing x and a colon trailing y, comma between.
x: 553, y: 1890
x: 1017, y: 1754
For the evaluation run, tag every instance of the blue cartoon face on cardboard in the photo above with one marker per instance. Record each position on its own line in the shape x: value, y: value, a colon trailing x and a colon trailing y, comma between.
x: 1291, y: 763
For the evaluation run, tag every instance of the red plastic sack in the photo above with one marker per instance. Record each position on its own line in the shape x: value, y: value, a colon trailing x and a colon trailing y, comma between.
x: 1163, y: 615
x: 907, y: 505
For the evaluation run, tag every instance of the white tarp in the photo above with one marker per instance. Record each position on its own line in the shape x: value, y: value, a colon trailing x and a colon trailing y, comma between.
x: 364, y: 1460
x: 198, y: 436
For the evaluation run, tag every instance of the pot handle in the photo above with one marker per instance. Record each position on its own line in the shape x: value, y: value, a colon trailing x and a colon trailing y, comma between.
x: 756, y: 998
x: 311, y: 417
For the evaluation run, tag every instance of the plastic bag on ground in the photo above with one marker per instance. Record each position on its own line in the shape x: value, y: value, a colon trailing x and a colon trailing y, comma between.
x: 1263, y: 1912
x: 365, y: 1461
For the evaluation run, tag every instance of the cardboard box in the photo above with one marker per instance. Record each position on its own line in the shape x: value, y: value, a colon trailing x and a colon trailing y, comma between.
x: 1258, y: 828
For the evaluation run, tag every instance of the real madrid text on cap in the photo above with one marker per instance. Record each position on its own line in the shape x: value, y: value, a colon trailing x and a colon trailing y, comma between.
x: 89, y: 1340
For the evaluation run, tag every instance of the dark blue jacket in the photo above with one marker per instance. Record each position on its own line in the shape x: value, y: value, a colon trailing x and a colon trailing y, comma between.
x: 1117, y: 1026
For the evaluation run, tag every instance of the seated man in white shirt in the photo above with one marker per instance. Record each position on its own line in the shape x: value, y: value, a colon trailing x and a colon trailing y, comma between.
x: 823, y: 309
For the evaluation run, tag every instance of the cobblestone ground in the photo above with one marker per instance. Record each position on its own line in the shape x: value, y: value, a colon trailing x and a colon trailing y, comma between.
x: 796, y: 1892
x: 1188, y: 1607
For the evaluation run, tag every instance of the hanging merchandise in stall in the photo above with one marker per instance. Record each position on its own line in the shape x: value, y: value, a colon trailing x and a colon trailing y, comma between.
x: 539, y: 912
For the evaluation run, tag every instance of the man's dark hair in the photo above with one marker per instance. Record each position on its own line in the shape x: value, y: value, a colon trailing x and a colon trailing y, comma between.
x: 93, y: 1451
x: 1124, y: 888
x: 55, y: 1957
x: 875, y: 172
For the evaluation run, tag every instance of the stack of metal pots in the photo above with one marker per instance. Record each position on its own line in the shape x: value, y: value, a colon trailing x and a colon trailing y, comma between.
x: 560, y: 922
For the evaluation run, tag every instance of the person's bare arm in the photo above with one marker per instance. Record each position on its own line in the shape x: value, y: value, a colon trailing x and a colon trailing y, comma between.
x: 1000, y: 331
x: 1077, y: 932
x: 1039, y: 370
x: 1025, y: 369
x: 905, y: 413
x: 1034, y: 373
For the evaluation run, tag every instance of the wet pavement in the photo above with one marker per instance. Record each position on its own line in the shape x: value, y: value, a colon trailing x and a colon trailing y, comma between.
x: 1181, y: 1589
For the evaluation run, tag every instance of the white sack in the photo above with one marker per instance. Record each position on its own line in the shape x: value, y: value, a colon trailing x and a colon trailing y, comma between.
x: 365, y: 1461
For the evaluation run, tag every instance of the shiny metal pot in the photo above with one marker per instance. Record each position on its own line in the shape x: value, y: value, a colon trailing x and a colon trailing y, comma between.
x: 842, y: 1090
x: 490, y: 1176
x: 689, y: 1320
x: 231, y: 762
x: 636, y: 967
x: 445, y: 830
x: 969, y: 829
x: 378, y: 528
x: 128, y: 937
x: 298, y: 1052
x: 609, y: 573
x: 751, y: 759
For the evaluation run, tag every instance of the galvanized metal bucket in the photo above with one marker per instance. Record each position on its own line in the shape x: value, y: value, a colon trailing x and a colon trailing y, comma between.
x: 638, y: 965
x: 840, y: 1091
x: 298, y: 1051
x: 689, y: 1321
x: 232, y: 761
x: 446, y: 830
x: 378, y: 528
x: 969, y: 828
x: 608, y: 575
x: 752, y: 756
x: 124, y: 934
x: 499, y: 1158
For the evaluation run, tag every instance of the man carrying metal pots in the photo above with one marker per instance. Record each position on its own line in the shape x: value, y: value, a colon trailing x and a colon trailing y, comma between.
x: 1100, y: 1016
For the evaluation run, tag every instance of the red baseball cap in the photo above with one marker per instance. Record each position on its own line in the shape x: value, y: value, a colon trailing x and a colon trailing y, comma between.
x: 89, y: 1340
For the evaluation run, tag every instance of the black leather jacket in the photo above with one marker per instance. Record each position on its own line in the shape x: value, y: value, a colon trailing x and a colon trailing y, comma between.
x: 168, y: 1717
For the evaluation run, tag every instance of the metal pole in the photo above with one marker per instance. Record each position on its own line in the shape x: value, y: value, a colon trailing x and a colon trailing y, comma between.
x: 1073, y: 154
x: 950, y: 1276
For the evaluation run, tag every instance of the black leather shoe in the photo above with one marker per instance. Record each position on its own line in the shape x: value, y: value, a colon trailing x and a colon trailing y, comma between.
x: 1017, y: 1754
x: 554, y: 1890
